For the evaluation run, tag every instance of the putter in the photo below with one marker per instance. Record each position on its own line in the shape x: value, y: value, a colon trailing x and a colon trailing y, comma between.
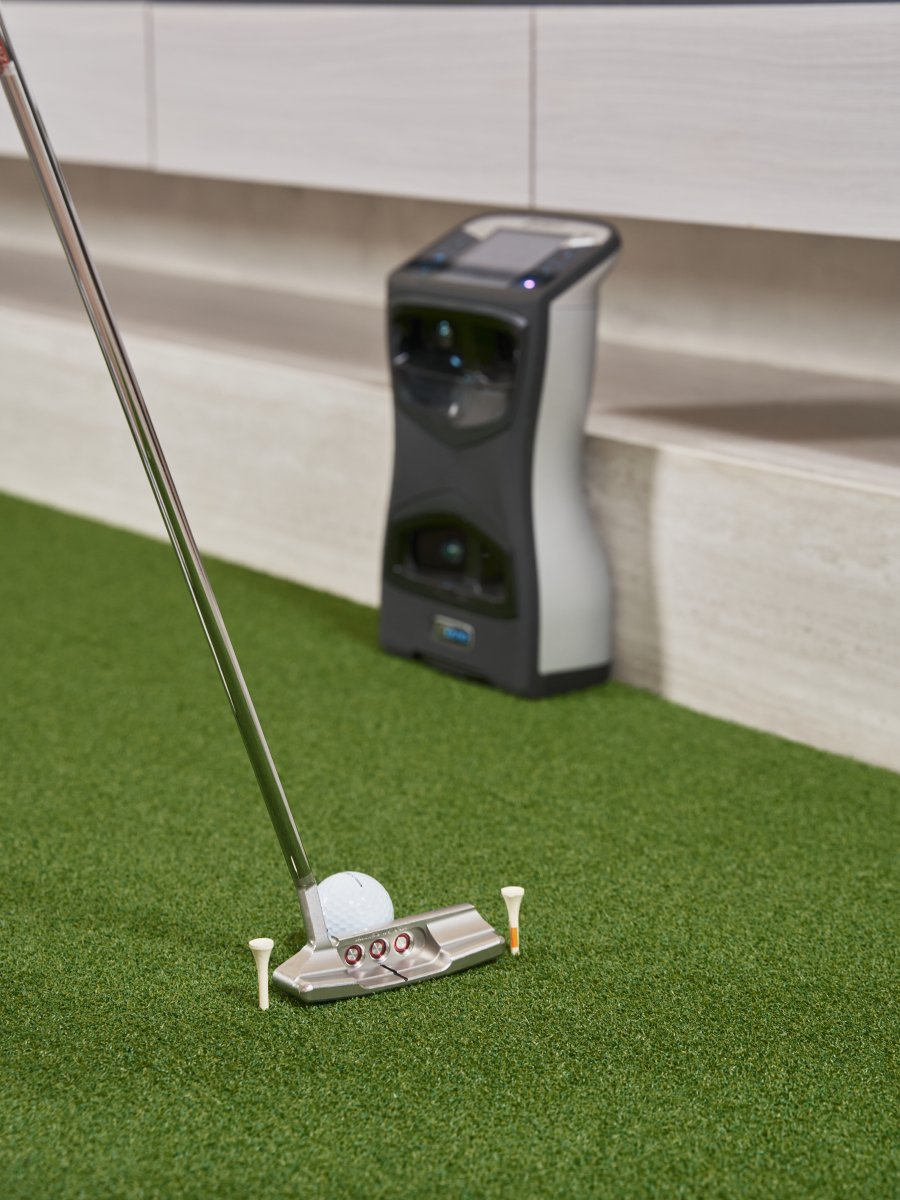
x: 408, y: 951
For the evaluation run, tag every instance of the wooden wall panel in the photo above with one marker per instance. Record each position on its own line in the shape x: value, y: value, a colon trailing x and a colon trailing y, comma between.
x: 781, y: 116
x: 85, y: 65
x: 404, y: 101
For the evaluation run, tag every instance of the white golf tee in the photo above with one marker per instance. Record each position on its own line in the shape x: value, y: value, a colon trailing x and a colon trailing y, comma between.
x: 262, y: 948
x: 513, y: 897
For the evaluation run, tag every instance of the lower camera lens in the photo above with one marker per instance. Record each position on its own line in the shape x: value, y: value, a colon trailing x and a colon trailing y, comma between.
x: 441, y: 548
x: 453, y: 551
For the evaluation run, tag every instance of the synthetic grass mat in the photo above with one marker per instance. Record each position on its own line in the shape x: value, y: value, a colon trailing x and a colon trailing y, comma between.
x: 705, y: 1004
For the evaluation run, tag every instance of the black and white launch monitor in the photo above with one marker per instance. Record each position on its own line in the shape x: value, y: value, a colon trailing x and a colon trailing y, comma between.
x: 492, y: 566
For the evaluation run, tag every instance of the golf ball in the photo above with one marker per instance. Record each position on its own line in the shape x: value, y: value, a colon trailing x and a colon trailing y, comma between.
x: 354, y: 903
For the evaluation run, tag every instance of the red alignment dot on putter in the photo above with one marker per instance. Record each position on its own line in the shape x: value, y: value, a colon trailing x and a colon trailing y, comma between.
x: 378, y: 949
x: 352, y: 955
x: 402, y: 943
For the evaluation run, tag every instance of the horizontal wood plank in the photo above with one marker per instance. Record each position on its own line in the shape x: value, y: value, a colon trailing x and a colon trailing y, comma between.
x: 404, y: 101
x: 85, y: 65
x: 780, y: 116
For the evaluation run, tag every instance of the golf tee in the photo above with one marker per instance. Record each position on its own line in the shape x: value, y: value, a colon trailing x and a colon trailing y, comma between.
x: 262, y: 948
x: 513, y: 897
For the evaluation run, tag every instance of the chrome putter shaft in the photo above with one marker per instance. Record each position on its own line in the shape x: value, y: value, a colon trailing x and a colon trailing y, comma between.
x: 414, y: 948
x: 62, y: 210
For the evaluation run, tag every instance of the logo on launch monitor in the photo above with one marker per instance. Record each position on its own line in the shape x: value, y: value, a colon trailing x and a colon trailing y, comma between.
x: 449, y: 632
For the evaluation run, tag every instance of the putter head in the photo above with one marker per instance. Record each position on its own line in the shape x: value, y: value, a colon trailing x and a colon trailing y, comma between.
x: 407, y: 951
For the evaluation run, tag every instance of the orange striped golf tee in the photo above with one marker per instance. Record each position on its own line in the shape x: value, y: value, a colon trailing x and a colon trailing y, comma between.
x: 513, y: 897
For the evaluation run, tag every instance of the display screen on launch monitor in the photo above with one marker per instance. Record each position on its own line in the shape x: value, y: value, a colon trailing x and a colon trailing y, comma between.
x: 509, y: 250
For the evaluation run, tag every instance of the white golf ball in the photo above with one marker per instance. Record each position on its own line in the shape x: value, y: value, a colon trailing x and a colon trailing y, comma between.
x: 354, y: 903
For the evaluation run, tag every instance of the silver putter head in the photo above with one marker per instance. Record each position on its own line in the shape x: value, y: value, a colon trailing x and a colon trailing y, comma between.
x: 407, y: 951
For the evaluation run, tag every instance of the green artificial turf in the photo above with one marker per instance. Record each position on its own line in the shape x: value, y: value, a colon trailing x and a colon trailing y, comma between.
x: 706, y: 1000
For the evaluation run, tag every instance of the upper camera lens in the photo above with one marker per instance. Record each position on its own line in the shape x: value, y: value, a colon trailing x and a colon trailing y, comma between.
x: 453, y: 551
x: 445, y: 334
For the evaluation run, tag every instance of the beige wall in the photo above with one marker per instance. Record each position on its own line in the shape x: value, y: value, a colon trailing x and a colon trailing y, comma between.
x: 798, y: 300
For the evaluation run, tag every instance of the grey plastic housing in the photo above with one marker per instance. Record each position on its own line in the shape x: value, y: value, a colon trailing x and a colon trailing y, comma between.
x: 518, y: 478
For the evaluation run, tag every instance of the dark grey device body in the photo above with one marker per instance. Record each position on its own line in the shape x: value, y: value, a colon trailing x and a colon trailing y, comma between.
x: 492, y: 568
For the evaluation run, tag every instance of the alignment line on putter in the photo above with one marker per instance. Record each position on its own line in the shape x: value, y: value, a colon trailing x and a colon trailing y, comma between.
x: 326, y: 968
x: 393, y: 972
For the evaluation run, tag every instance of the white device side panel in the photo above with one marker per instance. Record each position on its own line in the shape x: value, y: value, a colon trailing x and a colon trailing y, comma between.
x: 86, y: 67
x: 574, y: 591
x: 409, y: 101
x: 777, y: 116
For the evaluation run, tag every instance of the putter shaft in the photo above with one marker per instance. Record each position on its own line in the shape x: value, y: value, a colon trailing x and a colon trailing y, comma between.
x: 62, y: 211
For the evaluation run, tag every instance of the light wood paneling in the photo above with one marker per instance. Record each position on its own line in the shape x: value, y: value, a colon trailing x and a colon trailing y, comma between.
x: 828, y: 305
x: 86, y: 67
x: 782, y: 116
x: 762, y: 597
x: 407, y: 101
x: 827, y: 427
x: 280, y: 468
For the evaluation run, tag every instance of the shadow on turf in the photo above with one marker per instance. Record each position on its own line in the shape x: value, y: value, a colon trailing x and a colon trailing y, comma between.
x: 347, y: 618
x: 344, y: 617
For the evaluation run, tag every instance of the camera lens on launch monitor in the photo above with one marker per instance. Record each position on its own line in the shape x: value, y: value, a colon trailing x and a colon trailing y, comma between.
x: 445, y: 334
x: 453, y: 551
